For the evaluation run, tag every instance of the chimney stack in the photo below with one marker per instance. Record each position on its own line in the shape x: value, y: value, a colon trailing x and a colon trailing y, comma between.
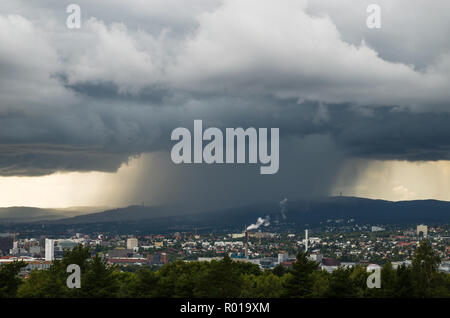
x: 306, y: 240
x: 246, y: 244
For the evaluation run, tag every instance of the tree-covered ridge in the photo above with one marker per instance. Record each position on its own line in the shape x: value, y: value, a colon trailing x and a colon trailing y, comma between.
x: 226, y: 279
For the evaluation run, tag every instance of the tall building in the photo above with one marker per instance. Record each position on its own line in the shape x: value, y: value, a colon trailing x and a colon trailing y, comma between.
x: 49, y: 250
x: 246, y: 244
x: 422, y: 231
x: 306, y: 241
x: 132, y: 243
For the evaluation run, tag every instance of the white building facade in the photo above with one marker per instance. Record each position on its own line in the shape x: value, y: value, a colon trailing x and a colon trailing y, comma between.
x: 49, y: 250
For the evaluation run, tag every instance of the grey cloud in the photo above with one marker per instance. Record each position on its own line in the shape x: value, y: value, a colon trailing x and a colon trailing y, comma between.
x: 91, y: 98
x: 39, y: 159
x: 153, y: 95
x: 412, y: 32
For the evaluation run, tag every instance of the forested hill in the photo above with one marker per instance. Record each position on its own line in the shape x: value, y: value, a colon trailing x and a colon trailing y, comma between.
x: 331, y: 209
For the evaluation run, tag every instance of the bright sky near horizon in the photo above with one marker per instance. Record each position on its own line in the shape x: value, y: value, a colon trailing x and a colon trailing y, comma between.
x: 388, y: 180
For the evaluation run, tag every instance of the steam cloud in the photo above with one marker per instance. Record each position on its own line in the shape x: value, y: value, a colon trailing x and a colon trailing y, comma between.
x: 283, y: 208
x: 259, y: 222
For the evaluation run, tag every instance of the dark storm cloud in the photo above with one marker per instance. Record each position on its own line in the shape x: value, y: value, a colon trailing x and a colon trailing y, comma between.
x: 151, y: 95
x: 38, y: 159
x: 101, y: 135
x: 389, y: 133
x: 81, y: 100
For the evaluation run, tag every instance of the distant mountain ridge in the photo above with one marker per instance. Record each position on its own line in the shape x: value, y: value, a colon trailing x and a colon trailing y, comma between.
x: 20, y: 214
x: 313, y: 211
x: 130, y: 213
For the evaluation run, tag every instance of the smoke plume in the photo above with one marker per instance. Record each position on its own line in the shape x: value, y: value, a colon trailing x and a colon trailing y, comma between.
x: 259, y: 222
x: 283, y: 208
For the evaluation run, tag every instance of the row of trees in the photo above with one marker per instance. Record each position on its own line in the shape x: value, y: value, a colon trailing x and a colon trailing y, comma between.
x: 226, y: 278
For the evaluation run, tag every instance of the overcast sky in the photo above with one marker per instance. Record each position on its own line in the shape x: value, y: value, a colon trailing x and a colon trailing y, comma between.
x: 86, y: 114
